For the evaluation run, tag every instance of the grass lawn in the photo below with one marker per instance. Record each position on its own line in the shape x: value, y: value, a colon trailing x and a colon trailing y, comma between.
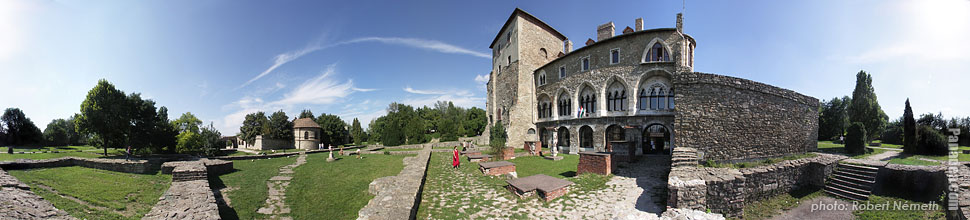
x: 833, y: 148
x: 776, y: 205
x: 401, y: 149
x: 913, y: 160
x: 893, y: 213
x: 532, y: 165
x: 337, y: 190
x: 248, y: 184
x: 441, y: 182
x: 38, y: 156
x: 87, y: 193
x: 768, y: 161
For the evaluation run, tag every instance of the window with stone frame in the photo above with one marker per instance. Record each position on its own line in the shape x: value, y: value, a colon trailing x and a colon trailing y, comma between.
x: 562, y: 72
x: 306, y: 135
x: 586, y: 137
x: 588, y: 101
x: 585, y: 63
x: 670, y: 99
x: 615, y: 56
x: 657, y: 53
x: 642, y: 101
x: 565, y: 105
x: 658, y: 97
x: 616, y: 97
x: 542, y: 78
x: 690, y: 55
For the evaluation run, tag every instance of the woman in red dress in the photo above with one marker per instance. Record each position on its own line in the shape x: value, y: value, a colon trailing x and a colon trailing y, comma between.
x: 455, y: 160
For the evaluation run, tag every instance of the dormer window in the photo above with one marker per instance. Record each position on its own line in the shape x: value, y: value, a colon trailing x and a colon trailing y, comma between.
x: 658, y: 53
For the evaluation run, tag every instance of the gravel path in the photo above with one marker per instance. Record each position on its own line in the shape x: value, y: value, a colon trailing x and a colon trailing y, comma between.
x: 460, y: 194
x: 275, y: 203
x: 826, y: 208
x: 884, y: 156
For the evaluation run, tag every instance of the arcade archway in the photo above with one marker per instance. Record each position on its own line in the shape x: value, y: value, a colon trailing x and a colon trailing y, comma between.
x: 656, y: 140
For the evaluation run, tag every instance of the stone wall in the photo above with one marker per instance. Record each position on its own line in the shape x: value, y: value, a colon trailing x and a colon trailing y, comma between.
x: 599, y: 163
x: 186, y: 200
x: 727, y: 190
x: 917, y: 183
x: 18, y: 202
x: 117, y: 165
x: 734, y: 119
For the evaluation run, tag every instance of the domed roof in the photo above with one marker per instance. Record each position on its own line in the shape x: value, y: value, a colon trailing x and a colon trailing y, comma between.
x: 305, y: 123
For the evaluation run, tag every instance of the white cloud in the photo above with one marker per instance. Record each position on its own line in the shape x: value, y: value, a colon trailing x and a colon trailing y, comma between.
x: 363, y: 90
x: 284, y: 58
x: 423, y: 92
x: 423, y: 44
x: 320, y: 90
x: 481, y: 79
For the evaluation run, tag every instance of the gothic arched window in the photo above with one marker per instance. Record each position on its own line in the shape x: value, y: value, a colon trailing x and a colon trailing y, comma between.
x: 657, y: 53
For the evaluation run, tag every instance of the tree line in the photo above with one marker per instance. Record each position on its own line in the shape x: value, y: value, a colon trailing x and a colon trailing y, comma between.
x: 405, y: 124
x: 859, y: 120
x: 278, y: 126
x: 110, y: 118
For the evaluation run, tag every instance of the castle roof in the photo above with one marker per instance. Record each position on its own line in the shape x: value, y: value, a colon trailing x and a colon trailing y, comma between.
x: 526, y: 15
x: 305, y: 123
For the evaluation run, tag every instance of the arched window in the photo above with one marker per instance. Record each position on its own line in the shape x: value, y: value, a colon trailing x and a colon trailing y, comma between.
x: 614, y: 56
x: 542, y: 78
x: 642, y: 101
x: 588, y: 101
x: 306, y: 135
x: 670, y: 99
x: 653, y: 98
x: 657, y: 53
x: 617, y: 97
x: 543, y: 53
x: 662, y: 98
x: 586, y: 137
x: 565, y: 105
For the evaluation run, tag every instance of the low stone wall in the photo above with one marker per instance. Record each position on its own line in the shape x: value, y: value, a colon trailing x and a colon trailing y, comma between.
x: 398, y: 196
x: 186, y: 200
x: 117, y: 165
x: 727, y: 190
x: 599, y: 163
x: 917, y: 183
x: 294, y: 153
x: 18, y: 202
x: 958, y: 191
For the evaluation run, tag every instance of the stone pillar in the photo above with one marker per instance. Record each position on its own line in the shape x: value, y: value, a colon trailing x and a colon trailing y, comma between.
x: 680, y: 22
x: 568, y: 47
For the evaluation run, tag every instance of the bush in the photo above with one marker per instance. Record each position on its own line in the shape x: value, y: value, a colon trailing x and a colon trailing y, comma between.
x: 893, y: 134
x: 855, y: 139
x: 496, y: 139
x: 930, y: 141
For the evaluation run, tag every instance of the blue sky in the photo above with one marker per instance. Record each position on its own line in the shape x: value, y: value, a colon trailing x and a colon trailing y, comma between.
x: 223, y: 59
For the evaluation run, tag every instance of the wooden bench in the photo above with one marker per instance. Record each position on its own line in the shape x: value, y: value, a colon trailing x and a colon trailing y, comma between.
x: 479, y: 158
x: 548, y: 187
x: 496, y: 168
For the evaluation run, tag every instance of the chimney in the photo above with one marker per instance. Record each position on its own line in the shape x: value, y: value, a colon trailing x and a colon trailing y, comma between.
x: 680, y: 22
x: 604, y: 31
x: 639, y: 24
x: 627, y: 30
x: 589, y: 41
x: 568, y: 44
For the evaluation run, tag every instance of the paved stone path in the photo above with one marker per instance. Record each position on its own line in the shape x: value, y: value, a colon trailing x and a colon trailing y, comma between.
x: 394, y: 196
x: 18, y: 202
x: 276, y: 201
x: 631, y: 194
x: 884, y: 156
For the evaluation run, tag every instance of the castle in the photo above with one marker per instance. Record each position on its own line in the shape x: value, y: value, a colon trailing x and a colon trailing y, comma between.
x: 635, y: 93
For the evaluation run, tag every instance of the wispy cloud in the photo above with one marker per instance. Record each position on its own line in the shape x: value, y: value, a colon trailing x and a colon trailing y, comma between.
x: 482, y: 80
x: 423, y: 92
x: 433, y: 45
x: 322, y: 89
x: 423, y: 44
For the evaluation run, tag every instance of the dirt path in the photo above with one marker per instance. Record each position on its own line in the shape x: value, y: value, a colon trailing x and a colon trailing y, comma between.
x: 824, y: 208
x: 885, y: 156
x: 275, y: 203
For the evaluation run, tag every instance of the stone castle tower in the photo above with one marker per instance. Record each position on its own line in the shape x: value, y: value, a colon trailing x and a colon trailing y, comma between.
x: 522, y: 45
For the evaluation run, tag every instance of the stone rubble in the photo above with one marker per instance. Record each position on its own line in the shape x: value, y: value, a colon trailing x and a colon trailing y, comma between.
x: 276, y: 201
x: 18, y: 202
x: 186, y: 200
x: 394, y: 196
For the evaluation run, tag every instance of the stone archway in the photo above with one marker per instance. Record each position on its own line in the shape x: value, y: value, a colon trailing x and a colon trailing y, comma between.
x: 586, y: 137
x: 613, y: 133
x: 563, y: 139
x: 656, y: 139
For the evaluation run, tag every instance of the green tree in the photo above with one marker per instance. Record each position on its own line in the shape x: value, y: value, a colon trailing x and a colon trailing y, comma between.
x: 56, y: 133
x: 252, y: 126
x: 333, y: 129
x: 278, y: 127
x: 189, y: 142
x: 931, y: 141
x: 357, y: 132
x: 414, y: 129
x: 104, y: 114
x: 306, y: 113
x: 893, y: 134
x: 375, y: 130
x: 475, y: 122
x: 211, y: 140
x: 497, y: 137
x: 187, y: 123
x: 865, y: 107
x: 855, y: 139
x: 833, y: 118
x: 909, y: 130
x: 144, y: 122
x: 20, y: 130
x: 164, y: 139
x: 393, y: 134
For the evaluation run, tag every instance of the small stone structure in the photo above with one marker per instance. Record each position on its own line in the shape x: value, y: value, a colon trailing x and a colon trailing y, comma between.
x: 496, y: 168
x: 306, y: 134
x: 595, y: 162
x: 548, y: 187
x: 471, y: 153
x: 186, y: 200
x: 479, y: 158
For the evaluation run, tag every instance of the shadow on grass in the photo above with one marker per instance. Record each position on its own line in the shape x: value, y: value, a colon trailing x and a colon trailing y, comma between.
x: 216, y: 184
x: 568, y: 174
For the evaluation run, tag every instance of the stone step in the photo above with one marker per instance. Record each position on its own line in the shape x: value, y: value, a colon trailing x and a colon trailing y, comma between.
x: 858, y: 169
x: 867, y: 187
x: 861, y: 167
x: 845, y: 194
x: 871, y: 178
x: 852, y: 179
x: 848, y: 188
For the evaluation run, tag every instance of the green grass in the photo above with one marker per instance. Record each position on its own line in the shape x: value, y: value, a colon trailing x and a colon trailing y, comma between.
x: 249, y: 186
x: 913, y: 161
x: 893, y: 213
x: 778, y: 204
x: 400, y: 149
x: 108, y: 194
x: 38, y: 156
x: 869, y: 152
x: 763, y: 162
x: 337, y: 190
x: 442, y: 179
x: 532, y: 165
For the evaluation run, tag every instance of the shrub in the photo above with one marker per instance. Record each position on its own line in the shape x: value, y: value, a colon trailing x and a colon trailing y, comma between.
x: 931, y: 141
x: 855, y: 139
x: 496, y: 139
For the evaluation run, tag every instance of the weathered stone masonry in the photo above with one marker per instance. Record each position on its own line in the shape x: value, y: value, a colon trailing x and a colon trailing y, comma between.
x: 733, y: 119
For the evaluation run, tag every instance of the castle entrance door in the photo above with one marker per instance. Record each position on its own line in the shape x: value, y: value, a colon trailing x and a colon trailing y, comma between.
x: 656, y: 140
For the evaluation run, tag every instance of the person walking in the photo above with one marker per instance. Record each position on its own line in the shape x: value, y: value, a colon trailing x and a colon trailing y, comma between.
x: 455, y: 160
x: 128, y: 153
